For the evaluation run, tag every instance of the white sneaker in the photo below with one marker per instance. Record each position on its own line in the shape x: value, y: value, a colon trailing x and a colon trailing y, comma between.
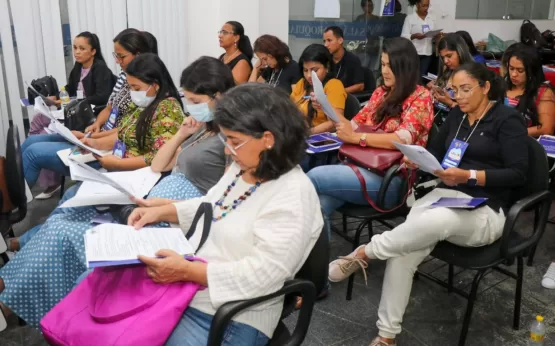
x: 549, y: 277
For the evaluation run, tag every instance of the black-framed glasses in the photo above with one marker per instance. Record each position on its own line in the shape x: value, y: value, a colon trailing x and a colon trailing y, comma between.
x: 119, y: 57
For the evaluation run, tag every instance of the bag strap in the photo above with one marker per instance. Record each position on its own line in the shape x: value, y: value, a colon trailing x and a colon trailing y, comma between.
x: 206, y: 210
x: 542, y: 91
x: 411, y: 177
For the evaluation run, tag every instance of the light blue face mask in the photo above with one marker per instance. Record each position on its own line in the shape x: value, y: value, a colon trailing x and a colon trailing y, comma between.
x: 200, y: 112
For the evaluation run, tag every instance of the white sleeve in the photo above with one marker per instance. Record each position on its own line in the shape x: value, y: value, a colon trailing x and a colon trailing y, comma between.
x: 284, y: 230
x: 406, y: 28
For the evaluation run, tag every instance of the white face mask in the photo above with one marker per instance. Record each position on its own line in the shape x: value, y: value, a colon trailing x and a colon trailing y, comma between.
x: 140, y: 98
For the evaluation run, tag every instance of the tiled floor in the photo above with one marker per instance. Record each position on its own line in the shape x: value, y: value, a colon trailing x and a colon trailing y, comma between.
x: 433, y: 317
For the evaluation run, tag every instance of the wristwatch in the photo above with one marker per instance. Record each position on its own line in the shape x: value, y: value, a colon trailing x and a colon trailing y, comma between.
x: 362, y: 141
x: 472, y: 181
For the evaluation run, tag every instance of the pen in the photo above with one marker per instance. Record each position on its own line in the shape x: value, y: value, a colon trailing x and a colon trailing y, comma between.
x: 306, y: 97
x: 75, y: 148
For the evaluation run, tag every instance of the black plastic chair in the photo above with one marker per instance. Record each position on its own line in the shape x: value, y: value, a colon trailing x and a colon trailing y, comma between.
x: 369, y: 86
x: 512, y: 245
x: 15, y: 183
x: 368, y: 215
x: 352, y: 107
x: 309, y: 281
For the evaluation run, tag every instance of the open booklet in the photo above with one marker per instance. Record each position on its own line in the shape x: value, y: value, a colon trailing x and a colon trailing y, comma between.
x: 113, y: 245
x: 323, y: 99
x: 63, y: 131
x: 420, y: 156
x: 109, y: 188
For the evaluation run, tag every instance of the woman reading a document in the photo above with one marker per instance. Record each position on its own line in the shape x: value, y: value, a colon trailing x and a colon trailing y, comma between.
x: 266, y: 219
x: 483, y: 147
x: 46, y: 267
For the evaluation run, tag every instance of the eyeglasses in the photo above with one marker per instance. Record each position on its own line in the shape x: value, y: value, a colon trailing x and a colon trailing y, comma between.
x: 119, y: 57
x: 233, y: 150
x: 464, y: 93
x: 224, y: 32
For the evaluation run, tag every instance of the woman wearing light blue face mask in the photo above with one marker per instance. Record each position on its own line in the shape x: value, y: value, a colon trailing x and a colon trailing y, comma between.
x: 195, y: 155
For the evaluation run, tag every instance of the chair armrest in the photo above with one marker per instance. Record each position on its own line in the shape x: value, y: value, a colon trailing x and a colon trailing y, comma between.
x: 363, y: 95
x: 541, y: 203
x: 227, y: 311
x: 387, y: 179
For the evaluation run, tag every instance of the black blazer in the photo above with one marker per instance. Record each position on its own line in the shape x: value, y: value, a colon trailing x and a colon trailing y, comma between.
x: 98, y: 84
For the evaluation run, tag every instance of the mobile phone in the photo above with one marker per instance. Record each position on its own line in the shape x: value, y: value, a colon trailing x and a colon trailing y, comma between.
x: 324, y: 143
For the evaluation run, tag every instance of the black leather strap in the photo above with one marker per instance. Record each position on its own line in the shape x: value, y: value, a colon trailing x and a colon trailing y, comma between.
x: 206, y: 210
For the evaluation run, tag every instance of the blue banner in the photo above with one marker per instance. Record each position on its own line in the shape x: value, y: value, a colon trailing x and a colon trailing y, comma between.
x: 389, y: 8
x: 353, y: 31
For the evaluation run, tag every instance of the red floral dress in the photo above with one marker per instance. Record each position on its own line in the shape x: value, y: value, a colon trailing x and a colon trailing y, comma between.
x: 415, y: 120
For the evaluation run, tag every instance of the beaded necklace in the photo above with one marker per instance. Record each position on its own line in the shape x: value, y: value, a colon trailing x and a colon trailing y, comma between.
x: 230, y: 207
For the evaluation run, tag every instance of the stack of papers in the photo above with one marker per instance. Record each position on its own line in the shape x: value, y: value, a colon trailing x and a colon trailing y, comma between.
x: 432, y: 33
x: 78, y: 156
x: 420, y: 156
x: 109, y: 188
x: 430, y: 76
x: 112, y: 244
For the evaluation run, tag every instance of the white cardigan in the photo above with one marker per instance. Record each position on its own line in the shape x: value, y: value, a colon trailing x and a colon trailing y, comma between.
x: 257, y: 247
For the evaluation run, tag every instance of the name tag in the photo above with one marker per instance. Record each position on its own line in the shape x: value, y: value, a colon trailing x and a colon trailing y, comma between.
x: 454, y: 154
x: 119, y: 149
x: 425, y: 28
x: 80, y: 94
x: 511, y: 103
x: 112, y: 119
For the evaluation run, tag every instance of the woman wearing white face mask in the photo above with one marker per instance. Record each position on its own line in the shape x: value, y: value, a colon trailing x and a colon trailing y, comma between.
x: 151, y: 120
x: 195, y: 154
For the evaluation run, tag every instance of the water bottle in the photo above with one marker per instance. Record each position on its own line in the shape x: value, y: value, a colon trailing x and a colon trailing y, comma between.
x: 537, y: 332
x: 64, y: 97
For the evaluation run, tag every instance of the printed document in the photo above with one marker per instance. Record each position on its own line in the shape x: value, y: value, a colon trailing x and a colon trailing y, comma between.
x: 323, y: 99
x: 420, y: 156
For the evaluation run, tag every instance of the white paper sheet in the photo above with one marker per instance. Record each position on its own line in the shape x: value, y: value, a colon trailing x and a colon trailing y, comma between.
x: 66, y: 133
x: 327, y: 9
x: 41, y: 107
x: 114, y: 242
x: 79, y: 157
x: 420, y: 156
x: 432, y: 33
x: 109, y: 188
x: 323, y: 99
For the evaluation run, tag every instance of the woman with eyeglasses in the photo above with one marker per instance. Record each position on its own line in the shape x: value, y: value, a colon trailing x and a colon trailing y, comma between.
x: 150, y: 121
x: 238, y: 51
x: 266, y: 219
x: 317, y: 58
x: 492, y: 165
x: 528, y: 90
x: 275, y: 64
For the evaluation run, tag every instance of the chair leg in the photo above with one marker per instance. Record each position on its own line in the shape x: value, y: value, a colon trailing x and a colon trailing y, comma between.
x: 356, y: 241
x: 370, y: 230
x: 5, y: 257
x: 531, y: 256
x: 344, y: 224
x: 518, y: 293
x: 62, y: 186
x: 450, y: 278
x: 470, y: 306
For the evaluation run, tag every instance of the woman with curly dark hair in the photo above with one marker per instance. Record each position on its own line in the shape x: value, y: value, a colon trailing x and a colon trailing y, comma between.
x: 275, y: 65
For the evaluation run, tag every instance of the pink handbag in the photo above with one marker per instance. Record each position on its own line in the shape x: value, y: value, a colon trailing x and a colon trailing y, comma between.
x: 122, y: 305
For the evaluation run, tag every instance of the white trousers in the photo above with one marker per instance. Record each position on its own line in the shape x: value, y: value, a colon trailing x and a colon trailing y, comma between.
x: 407, y: 245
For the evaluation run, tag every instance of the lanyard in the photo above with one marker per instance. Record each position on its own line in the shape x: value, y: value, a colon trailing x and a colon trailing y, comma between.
x: 277, y: 79
x: 475, y: 126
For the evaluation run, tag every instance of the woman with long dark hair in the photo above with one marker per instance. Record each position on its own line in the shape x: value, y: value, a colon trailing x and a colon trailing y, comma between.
x: 400, y: 107
x: 275, y: 64
x: 471, y: 46
x: 453, y: 52
x: 153, y: 118
x: 90, y: 79
x: 238, y: 51
x: 493, y: 166
x: 528, y: 91
x: 317, y: 58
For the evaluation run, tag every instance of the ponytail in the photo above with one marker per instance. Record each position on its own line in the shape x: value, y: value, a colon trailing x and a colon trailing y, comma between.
x: 94, y: 42
x: 244, y: 44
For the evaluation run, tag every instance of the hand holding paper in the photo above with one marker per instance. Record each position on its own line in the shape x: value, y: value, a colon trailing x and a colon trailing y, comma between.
x: 322, y: 98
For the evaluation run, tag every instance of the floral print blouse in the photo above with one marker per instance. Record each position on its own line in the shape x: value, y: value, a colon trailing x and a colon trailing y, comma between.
x: 414, y: 123
x: 166, y: 120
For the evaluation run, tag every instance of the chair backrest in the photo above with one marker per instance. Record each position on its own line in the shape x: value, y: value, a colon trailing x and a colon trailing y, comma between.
x: 369, y: 80
x: 315, y: 268
x: 14, y: 172
x: 352, y: 107
x: 537, y: 178
x: 434, y: 131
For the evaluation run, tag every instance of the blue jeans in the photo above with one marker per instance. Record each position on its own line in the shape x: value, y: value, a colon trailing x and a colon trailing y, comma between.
x: 70, y: 193
x: 338, y: 184
x: 194, y: 327
x: 39, y: 152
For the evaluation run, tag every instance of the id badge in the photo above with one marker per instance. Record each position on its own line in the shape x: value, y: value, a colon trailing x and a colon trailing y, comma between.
x: 454, y: 154
x: 112, y: 119
x: 425, y: 28
x: 510, y: 103
x: 119, y: 149
x: 80, y: 94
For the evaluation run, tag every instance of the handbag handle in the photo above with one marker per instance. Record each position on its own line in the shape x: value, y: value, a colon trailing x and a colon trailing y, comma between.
x: 204, y: 209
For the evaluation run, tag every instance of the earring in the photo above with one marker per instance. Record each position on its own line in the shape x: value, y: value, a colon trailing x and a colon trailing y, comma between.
x: 269, y: 147
x: 235, y: 43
